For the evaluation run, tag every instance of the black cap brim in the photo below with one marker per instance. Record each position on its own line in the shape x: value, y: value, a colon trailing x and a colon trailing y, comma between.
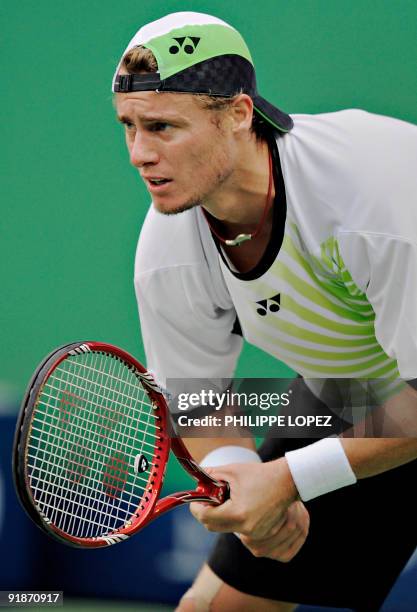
x: 272, y: 114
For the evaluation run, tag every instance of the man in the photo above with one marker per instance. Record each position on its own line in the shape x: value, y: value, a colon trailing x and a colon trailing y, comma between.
x: 302, y: 233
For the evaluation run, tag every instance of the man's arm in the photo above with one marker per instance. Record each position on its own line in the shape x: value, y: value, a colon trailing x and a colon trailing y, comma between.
x: 292, y: 522
x: 262, y: 494
x: 372, y: 456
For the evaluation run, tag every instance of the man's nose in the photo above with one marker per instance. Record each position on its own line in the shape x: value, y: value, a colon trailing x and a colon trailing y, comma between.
x: 143, y: 151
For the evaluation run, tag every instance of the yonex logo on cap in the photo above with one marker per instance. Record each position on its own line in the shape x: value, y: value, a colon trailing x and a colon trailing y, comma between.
x: 189, y: 47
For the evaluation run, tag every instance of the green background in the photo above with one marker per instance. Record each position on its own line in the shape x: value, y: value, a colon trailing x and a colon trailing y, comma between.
x: 72, y: 206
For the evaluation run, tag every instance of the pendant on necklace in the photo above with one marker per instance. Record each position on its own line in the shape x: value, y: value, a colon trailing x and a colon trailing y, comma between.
x: 238, y: 240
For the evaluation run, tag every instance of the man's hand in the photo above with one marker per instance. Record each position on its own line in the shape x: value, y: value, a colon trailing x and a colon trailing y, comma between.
x: 288, y: 539
x: 261, y: 509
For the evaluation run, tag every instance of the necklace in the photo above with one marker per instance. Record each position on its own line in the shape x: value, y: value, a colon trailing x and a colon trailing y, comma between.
x: 244, y: 237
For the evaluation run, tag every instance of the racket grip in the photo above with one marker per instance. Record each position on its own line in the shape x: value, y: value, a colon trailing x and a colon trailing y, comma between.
x: 215, y: 491
x: 226, y: 492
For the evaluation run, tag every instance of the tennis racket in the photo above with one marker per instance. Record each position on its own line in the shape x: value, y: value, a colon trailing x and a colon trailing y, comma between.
x: 91, y: 447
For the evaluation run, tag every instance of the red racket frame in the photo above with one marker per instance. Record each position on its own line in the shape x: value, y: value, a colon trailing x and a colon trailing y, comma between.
x: 207, y: 490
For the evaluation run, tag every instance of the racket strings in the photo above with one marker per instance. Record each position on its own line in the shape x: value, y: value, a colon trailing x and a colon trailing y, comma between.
x: 69, y: 451
x: 92, y: 419
x: 105, y: 423
x: 110, y: 409
x: 40, y: 421
x: 65, y: 394
x: 107, y: 393
x: 109, y: 483
x: 98, y: 463
x: 77, y: 464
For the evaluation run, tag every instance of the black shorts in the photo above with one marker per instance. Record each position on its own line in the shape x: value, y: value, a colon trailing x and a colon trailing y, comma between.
x: 360, y: 539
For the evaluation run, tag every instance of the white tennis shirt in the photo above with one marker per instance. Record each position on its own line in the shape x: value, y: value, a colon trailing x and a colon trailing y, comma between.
x: 339, y: 299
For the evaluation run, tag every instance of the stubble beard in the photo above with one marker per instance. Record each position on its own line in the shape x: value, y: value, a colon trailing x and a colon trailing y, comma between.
x: 222, y: 174
x: 192, y: 203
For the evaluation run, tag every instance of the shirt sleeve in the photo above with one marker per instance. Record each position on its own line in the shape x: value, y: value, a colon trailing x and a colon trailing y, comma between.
x: 184, y: 333
x: 186, y: 312
x: 385, y: 268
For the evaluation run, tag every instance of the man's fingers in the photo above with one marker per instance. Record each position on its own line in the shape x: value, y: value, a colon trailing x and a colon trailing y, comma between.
x: 228, y: 517
x: 293, y: 549
x: 299, y: 513
x: 277, y: 528
x: 284, y: 538
x: 220, y: 518
x: 276, y: 547
x: 222, y: 472
x: 283, y: 543
x: 197, y: 509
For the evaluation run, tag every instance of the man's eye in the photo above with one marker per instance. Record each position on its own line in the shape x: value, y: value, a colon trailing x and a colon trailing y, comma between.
x: 159, y: 126
x: 129, y: 126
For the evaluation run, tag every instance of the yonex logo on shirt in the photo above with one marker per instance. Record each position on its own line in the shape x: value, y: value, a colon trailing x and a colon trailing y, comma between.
x: 189, y: 47
x: 272, y: 304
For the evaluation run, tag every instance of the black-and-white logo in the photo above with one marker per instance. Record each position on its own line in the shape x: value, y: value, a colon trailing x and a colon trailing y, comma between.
x: 272, y: 304
x: 141, y: 464
x: 187, y: 43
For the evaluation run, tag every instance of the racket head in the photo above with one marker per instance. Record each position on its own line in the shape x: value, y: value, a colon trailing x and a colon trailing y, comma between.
x: 32, y: 385
x: 91, y: 445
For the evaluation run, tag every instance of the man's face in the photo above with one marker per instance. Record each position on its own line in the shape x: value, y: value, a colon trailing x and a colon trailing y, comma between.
x: 183, y: 156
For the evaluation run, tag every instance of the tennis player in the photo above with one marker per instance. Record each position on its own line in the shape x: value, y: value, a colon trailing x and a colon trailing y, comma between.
x: 299, y: 234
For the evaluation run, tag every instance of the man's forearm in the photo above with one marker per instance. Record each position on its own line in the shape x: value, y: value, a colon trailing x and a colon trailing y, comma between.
x: 333, y: 463
x: 372, y: 456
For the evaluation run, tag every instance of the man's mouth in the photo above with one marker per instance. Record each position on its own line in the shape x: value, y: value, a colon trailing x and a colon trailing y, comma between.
x: 156, y: 183
x: 155, y: 180
x: 159, y: 181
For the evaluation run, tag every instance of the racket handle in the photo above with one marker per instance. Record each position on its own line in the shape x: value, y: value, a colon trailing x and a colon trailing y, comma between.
x: 217, y: 491
x: 226, y: 491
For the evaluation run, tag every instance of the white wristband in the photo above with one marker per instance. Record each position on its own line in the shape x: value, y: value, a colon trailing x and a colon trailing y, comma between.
x: 319, y: 468
x: 224, y: 455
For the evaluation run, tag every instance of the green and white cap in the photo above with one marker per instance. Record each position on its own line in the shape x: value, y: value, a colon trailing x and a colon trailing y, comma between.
x: 201, y: 54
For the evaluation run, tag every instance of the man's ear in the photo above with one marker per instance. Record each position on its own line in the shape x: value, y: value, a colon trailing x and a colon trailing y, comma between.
x: 241, y: 112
